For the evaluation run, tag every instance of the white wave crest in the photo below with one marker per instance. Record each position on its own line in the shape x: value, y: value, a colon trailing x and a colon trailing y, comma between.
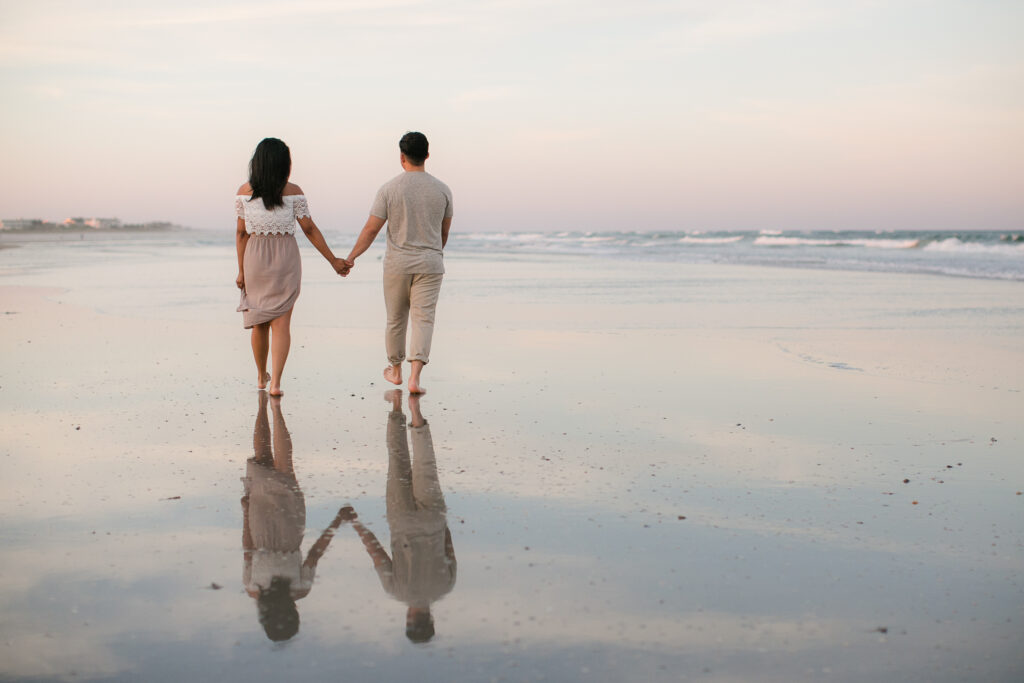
x: 710, y: 240
x: 954, y: 245
x: 504, y: 236
x: 778, y: 241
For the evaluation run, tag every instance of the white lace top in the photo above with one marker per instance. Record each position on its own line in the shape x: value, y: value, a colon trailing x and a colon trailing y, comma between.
x: 278, y: 221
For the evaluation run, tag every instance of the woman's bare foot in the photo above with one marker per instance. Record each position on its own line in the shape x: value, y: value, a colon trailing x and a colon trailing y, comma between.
x: 262, y: 383
x: 393, y: 374
x: 275, y: 392
x: 394, y: 397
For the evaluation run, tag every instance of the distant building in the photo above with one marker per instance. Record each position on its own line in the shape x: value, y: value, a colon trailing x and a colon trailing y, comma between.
x: 94, y: 223
x: 22, y: 224
x: 79, y: 223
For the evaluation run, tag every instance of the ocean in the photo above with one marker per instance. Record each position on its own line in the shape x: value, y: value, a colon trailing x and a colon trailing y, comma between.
x: 980, y: 254
x: 972, y: 254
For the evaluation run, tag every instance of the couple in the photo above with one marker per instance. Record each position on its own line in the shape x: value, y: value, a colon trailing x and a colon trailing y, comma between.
x: 417, y: 208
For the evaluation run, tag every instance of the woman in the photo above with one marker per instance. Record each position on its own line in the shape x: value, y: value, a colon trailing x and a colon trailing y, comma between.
x: 273, y: 523
x: 269, y: 267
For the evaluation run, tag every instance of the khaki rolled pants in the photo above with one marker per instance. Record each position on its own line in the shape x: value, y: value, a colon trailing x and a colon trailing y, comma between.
x: 410, y: 297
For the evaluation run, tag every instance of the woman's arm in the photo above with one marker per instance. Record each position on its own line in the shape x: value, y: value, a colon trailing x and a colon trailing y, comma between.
x: 366, y: 237
x: 316, y: 552
x: 318, y: 241
x: 241, y: 239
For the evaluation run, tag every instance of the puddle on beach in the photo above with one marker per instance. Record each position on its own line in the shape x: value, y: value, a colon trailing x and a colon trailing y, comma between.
x: 435, y: 542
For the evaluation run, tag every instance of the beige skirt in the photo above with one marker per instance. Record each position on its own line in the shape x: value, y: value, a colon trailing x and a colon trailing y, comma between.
x: 273, y: 275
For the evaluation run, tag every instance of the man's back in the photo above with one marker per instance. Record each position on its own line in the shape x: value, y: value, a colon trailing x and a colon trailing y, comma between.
x: 414, y: 204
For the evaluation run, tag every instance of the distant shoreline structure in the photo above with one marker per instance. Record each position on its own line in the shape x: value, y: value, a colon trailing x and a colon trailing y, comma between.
x: 79, y: 224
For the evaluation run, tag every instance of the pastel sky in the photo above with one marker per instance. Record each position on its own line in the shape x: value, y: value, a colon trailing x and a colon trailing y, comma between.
x: 542, y: 115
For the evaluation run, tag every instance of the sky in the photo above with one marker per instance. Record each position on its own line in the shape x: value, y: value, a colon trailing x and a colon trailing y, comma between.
x: 542, y: 115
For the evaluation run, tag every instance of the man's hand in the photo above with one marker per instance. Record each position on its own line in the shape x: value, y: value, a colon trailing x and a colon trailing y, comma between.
x: 346, y: 514
x: 342, y: 267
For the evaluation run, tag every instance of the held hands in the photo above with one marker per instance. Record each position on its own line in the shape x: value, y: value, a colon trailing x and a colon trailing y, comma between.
x: 342, y: 266
x: 346, y: 514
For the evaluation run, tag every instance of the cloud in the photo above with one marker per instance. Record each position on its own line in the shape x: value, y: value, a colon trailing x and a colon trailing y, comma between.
x: 49, y: 92
x: 560, y: 135
x: 485, y: 95
x: 712, y: 25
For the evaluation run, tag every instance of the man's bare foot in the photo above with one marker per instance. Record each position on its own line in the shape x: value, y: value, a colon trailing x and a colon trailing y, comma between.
x: 414, y: 408
x: 394, y: 396
x: 414, y: 377
x: 261, y: 384
x: 393, y: 374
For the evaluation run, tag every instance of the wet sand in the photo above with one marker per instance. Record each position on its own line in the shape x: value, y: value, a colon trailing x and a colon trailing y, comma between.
x: 650, y: 473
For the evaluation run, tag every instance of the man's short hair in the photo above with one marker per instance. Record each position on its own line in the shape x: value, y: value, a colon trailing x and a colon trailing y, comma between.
x: 420, y: 629
x: 415, y: 147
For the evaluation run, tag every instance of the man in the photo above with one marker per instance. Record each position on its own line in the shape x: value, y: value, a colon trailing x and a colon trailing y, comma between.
x: 417, y: 208
x: 421, y: 567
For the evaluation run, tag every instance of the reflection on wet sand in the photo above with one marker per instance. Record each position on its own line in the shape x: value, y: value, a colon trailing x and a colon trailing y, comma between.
x: 421, y: 567
x: 273, y: 522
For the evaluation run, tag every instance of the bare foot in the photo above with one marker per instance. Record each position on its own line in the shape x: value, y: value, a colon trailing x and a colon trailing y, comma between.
x: 414, y: 408
x: 275, y: 392
x: 393, y: 374
x: 262, y: 383
x: 394, y: 397
x: 415, y: 387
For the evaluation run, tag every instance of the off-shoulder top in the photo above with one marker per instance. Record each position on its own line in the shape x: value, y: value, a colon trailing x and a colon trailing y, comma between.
x: 278, y: 221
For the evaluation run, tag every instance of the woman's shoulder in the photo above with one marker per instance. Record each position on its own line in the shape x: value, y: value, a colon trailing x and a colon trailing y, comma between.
x: 291, y: 189
x: 245, y: 189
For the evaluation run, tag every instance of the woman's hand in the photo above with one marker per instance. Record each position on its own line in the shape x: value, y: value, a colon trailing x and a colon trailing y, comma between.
x: 346, y: 514
x: 341, y: 266
x: 240, y: 280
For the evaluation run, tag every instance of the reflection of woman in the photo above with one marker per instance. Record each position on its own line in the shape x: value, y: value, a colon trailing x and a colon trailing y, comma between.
x: 269, y: 268
x: 421, y: 567
x: 273, y: 522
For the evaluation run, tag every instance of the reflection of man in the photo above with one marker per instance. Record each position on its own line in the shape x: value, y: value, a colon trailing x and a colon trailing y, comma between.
x: 273, y: 521
x: 421, y: 568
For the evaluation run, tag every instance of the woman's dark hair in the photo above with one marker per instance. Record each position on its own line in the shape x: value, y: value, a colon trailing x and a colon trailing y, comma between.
x: 269, y: 169
x: 415, y: 147
x: 278, y: 614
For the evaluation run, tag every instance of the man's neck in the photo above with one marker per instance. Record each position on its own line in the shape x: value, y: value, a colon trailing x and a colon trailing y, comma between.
x: 410, y: 167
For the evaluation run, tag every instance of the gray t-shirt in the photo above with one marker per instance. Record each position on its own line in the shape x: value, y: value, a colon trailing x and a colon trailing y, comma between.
x: 413, y: 203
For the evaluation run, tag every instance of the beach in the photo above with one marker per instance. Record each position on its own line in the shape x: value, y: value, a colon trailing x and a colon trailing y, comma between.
x: 653, y: 470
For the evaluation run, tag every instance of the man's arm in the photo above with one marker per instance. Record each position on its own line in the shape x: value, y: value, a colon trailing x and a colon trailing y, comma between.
x: 366, y: 237
x: 446, y: 225
x: 373, y: 547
